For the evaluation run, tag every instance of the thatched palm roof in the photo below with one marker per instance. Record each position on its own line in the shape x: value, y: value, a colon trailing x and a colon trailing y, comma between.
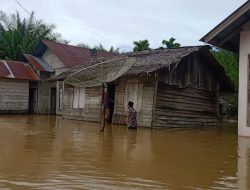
x: 150, y: 61
x: 147, y: 61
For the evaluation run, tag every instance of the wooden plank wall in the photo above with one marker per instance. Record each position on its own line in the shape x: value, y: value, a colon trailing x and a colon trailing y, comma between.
x: 192, y: 71
x: 44, y: 97
x: 144, y: 117
x: 184, y: 107
x: 187, y: 94
x: 91, y: 110
x: 14, y: 96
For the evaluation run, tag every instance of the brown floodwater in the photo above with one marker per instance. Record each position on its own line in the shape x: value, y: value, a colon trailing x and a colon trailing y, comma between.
x: 47, y: 152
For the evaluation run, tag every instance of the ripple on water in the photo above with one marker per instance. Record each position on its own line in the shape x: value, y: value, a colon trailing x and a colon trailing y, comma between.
x: 41, y: 152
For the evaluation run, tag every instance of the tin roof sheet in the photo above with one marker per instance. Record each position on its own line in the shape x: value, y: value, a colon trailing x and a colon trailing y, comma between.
x: 16, y: 70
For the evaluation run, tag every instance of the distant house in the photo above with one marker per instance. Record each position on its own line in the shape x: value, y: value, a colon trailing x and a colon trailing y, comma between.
x: 49, y: 60
x: 14, y: 84
x: 234, y: 34
x: 176, y: 87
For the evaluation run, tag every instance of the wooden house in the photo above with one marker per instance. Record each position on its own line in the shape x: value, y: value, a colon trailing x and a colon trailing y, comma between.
x: 172, y: 88
x: 233, y: 34
x: 15, y: 79
x: 176, y: 87
x: 49, y: 60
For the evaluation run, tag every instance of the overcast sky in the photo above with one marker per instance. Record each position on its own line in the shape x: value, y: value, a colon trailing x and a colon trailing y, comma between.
x: 120, y: 22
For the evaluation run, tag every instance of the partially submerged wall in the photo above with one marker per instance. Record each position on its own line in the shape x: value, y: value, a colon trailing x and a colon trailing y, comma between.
x: 185, y: 107
x: 14, y: 96
x: 145, y: 112
x: 91, y: 108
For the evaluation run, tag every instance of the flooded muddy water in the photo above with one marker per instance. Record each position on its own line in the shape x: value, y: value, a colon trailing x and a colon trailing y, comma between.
x: 47, y: 152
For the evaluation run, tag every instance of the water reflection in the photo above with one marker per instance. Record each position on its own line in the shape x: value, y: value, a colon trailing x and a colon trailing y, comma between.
x: 45, y: 152
x: 244, y: 163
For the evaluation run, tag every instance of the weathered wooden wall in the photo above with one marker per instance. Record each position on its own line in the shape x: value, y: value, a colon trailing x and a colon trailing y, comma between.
x: 43, y: 97
x: 187, y: 95
x: 14, y: 96
x: 185, y: 107
x: 192, y: 71
x: 92, y: 105
x: 144, y: 117
x: 54, y: 62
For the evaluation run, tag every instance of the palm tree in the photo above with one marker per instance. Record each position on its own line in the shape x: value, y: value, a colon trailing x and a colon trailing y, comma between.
x: 170, y: 43
x: 19, y: 36
x: 141, y: 45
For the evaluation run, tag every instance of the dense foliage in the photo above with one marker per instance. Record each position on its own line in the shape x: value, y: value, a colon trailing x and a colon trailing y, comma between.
x: 19, y: 36
x: 230, y: 62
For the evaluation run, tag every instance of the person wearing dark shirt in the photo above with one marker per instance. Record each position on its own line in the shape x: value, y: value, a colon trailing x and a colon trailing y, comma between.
x: 131, y: 118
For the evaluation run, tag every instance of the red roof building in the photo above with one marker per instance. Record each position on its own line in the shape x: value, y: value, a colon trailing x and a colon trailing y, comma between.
x: 17, y: 70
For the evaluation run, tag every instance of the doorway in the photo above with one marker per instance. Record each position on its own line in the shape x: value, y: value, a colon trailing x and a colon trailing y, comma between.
x: 110, y: 102
x: 32, y: 100
x: 53, y: 101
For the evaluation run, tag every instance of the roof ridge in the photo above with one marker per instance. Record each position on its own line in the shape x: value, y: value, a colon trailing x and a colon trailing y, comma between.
x: 11, y: 75
x: 62, y: 44
x: 14, y: 61
x: 165, y: 50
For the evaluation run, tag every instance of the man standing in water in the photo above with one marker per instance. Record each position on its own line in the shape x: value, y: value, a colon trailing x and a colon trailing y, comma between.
x: 131, y: 119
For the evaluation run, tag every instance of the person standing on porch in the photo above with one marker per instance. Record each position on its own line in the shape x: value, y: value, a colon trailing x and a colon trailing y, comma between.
x: 131, y: 118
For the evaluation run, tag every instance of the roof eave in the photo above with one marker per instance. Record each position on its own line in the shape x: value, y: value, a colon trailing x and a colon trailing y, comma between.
x: 232, y: 25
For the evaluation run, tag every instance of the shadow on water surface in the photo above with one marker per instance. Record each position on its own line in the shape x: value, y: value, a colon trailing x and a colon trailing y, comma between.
x: 47, y: 152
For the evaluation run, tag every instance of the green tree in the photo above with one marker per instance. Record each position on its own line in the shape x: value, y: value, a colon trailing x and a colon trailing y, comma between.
x: 230, y: 62
x: 19, y: 36
x: 170, y: 43
x: 141, y: 45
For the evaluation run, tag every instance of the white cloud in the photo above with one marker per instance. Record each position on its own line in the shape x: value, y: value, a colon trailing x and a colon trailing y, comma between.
x: 120, y: 22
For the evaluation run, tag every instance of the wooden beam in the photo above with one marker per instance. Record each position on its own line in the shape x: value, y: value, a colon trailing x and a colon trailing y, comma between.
x: 221, y: 43
x: 154, y: 101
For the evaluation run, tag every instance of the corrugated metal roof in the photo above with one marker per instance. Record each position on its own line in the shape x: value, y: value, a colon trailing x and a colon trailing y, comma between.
x: 73, y: 55
x: 17, y: 70
x: 3, y: 70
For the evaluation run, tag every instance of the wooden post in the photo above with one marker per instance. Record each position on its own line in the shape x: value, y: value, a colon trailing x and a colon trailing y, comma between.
x: 103, y: 107
x: 154, y: 101
x: 62, y: 97
x: 57, y: 97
